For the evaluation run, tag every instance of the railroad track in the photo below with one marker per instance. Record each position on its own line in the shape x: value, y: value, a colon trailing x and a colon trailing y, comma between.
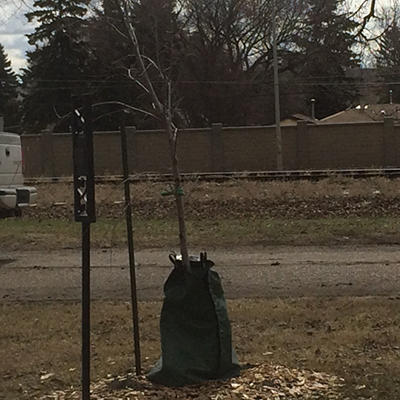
x: 359, y: 173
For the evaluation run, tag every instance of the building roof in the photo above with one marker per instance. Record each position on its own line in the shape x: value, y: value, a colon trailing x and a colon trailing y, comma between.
x: 366, y: 113
x: 298, y: 117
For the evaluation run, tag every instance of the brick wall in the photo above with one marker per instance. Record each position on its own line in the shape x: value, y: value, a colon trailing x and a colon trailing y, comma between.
x: 216, y: 149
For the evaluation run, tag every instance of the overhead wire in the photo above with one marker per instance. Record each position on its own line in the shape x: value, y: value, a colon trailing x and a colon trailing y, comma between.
x: 222, y: 83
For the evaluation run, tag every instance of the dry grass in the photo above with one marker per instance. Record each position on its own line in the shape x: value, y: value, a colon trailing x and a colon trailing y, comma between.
x: 335, y: 187
x: 357, y: 339
x: 211, y: 234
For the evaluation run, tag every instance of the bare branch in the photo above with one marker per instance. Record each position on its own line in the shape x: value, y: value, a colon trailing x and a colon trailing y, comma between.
x: 366, y: 19
x: 136, y: 81
x: 151, y: 62
x: 116, y: 29
x: 132, y: 35
x: 120, y: 103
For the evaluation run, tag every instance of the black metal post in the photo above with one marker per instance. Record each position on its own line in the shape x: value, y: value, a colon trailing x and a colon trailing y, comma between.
x: 84, y: 210
x: 85, y: 311
x: 128, y: 215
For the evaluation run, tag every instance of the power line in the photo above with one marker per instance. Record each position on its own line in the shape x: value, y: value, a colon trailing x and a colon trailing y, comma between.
x: 222, y: 83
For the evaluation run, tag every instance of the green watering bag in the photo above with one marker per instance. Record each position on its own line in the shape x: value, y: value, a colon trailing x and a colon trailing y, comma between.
x: 196, y: 339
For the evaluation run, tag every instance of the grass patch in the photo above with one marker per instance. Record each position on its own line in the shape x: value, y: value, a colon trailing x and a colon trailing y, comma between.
x: 44, y: 234
x: 357, y: 339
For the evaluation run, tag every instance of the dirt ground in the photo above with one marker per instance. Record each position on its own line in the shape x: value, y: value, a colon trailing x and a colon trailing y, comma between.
x: 248, y: 272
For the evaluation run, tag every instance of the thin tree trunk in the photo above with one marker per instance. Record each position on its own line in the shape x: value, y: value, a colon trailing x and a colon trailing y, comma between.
x: 178, y: 195
x: 163, y: 112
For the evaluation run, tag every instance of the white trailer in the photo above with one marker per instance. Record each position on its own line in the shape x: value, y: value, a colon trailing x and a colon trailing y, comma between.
x: 14, y: 196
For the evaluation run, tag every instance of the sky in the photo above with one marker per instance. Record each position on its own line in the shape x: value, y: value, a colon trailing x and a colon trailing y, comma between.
x: 14, y: 26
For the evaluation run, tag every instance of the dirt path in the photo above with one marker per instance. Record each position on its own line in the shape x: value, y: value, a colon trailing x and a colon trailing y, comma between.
x: 245, y: 272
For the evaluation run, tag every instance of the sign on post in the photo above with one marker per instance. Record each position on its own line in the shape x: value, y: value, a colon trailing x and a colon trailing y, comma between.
x: 82, y: 134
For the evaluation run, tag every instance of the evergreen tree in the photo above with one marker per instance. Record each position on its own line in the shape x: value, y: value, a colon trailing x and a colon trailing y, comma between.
x: 388, y: 54
x: 117, y: 77
x: 108, y: 46
x: 159, y: 31
x: 57, y: 66
x: 325, y: 50
x: 110, y: 64
x: 8, y: 92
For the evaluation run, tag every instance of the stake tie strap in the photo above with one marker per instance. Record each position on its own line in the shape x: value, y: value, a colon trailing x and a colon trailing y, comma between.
x: 179, y: 192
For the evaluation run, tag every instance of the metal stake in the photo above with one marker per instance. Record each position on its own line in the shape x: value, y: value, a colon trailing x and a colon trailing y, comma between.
x: 85, y: 311
x: 128, y: 216
x: 279, y: 162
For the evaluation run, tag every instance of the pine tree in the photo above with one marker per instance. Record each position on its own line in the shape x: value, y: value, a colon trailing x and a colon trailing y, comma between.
x: 57, y: 65
x: 8, y: 92
x: 158, y: 29
x: 110, y: 61
x: 388, y: 54
x: 325, y: 51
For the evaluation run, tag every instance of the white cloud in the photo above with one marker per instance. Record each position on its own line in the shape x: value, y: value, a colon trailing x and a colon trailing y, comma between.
x: 13, y: 28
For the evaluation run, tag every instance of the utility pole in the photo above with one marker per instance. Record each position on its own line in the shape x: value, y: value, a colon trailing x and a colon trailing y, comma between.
x: 279, y: 163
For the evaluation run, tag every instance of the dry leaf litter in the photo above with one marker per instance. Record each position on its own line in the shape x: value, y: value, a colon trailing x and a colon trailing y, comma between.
x: 288, y: 207
x: 261, y: 382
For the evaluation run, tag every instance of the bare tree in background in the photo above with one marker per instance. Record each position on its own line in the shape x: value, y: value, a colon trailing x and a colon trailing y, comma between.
x: 162, y: 111
x: 367, y: 11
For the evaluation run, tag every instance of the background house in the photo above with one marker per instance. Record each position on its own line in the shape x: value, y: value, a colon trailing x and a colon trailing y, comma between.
x: 366, y: 113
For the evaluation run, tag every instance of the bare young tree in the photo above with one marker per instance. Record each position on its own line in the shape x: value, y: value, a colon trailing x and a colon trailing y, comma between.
x: 163, y: 112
